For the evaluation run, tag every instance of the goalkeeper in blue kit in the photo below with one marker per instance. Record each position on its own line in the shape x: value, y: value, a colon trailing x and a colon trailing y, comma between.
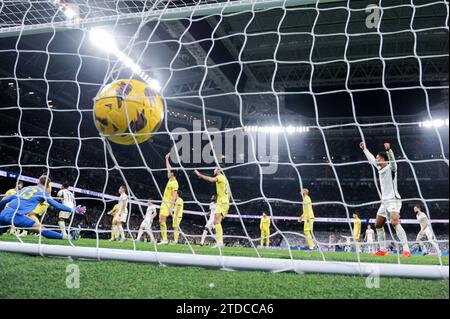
x: 23, y: 203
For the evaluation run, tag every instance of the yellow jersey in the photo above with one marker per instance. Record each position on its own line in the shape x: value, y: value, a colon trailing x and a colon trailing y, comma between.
x: 115, y: 209
x: 265, y: 222
x: 357, y: 227
x: 307, y: 209
x: 179, y: 206
x: 172, y: 185
x: 10, y: 192
x: 222, y: 189
x: 40, y: 209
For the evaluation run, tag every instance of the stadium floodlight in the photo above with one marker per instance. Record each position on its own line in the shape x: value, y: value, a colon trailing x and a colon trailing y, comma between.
x: 66, y: 8
x: 70, y: 13
x: 434, y: 123
x: 103, y: 40
x: 154, y: 84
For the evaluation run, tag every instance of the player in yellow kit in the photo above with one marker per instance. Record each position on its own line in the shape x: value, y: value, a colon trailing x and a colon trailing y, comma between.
x: 357, y: 231
x: 36, y: 215
x: 223, y: 201
x: 308, y: 218
x: 9, y: 192
x: 264, y: 226
x: 113, y: 212
x: 177, y: 215
x: 168, y: 201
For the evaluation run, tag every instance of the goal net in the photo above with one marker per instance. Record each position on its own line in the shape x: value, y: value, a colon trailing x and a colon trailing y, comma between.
x: 276, y: 94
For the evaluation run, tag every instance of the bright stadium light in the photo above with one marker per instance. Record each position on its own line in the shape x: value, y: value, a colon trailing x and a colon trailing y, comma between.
x: 434, y: 123
x: 69, y: 13
x: 277, y: 129
x: 67, y: 9
x: 154, y: 84
x: 103, y: 40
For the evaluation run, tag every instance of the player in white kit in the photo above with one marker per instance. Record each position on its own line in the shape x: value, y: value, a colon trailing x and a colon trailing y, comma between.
x: 68, y: 199
x: 391, y: 202
x: 369, y: 238
x: 122, y: 214
x: 425, y: 231
x: 348, y: 244
x: 210, y: 223
x: 146, y: 225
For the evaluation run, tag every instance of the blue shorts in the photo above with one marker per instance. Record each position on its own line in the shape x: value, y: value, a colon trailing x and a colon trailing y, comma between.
x: 8, y: 218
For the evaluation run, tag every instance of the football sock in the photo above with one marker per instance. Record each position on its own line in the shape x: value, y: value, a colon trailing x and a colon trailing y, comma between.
x: 401, y: 234
x: 381, y: 237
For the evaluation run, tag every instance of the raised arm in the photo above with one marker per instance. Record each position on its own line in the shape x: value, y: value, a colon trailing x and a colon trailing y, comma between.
x: 369, y: 155
x: 168, y: 166
x: 391, y: 157
x: 206, y: 178
x: 59, y: 206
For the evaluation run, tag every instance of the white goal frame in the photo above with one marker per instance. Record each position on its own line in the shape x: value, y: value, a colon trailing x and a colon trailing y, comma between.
x: 233, y: 262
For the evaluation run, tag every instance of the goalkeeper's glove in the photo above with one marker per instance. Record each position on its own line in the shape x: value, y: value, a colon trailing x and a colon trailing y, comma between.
x: 80, y: 210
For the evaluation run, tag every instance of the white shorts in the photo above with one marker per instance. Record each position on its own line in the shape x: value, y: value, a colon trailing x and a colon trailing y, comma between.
x: 389, y: 206
x: 122, y: 217
x: 210, y: 223
x: 370, y: 241
x: 64, y: 215
x: 146, y: 224
x: 426, y: 233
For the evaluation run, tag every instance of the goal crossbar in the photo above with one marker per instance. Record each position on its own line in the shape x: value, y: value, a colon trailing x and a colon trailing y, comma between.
x: 233, y: 262
x: 162, y: 14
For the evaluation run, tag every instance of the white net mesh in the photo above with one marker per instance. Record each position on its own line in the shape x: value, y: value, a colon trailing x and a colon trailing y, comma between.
x: 284, y: 91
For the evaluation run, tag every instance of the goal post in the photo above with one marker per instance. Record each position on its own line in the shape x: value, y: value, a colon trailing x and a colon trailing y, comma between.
x: 193, y: 10
x: 233, y: 262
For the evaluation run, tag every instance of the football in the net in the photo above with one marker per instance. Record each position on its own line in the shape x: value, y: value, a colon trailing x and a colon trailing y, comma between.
x: 128, y: 111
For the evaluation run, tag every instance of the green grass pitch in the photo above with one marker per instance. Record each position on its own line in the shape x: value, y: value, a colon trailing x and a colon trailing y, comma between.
x: 23, y: 276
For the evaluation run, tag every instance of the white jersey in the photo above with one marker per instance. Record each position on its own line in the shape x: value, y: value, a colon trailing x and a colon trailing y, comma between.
x: 150, y: 214
x: 370, y: 235
x: 123, y: 198
x: 212, y: 208
x: 212, y: 214
x: 387, y: 175
x: 67, y: 198
x: 423, y: 219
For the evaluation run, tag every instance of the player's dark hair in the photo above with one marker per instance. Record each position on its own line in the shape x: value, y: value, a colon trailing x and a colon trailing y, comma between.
x: 149, y: 198
x: 180, y: 193
x: 418, y: 206
x: 20, y: 182
x: 124, y: 187
x: 66, y: 185
x: 356, y: 213
x: 383, y: 155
